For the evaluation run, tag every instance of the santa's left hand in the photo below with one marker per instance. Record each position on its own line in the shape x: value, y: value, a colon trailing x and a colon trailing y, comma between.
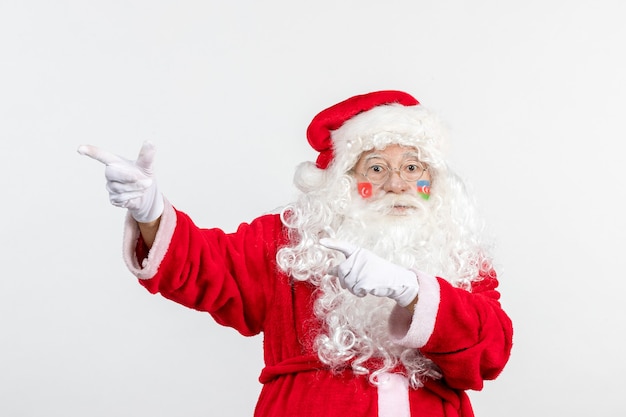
x: 366, y: 273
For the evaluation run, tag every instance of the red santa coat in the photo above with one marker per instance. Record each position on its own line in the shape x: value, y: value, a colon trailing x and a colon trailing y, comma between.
x: 234, y: 277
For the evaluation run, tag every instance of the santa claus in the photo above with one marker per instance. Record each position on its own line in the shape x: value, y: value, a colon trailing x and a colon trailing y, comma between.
x: 375, y: 291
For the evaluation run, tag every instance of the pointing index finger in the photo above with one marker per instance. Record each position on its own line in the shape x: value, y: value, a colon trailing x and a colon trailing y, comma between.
x: 99, y: 154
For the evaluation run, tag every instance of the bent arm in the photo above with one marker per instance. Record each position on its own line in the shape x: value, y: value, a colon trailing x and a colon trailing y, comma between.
x: 467, y: 334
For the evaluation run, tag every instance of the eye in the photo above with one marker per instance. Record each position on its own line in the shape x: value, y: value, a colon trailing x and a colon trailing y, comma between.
x: 413, y: 167
x: 377, y: 169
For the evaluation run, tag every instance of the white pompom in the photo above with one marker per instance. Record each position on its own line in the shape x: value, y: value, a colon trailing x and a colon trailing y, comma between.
x: 308, y: 177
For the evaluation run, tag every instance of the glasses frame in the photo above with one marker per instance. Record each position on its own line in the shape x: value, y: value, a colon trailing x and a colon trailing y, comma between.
x: 390, y: 172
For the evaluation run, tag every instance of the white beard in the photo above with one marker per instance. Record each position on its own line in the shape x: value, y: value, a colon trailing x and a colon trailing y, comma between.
x: 405, y: 240
x: 410, y: 239
x: 440, y: 236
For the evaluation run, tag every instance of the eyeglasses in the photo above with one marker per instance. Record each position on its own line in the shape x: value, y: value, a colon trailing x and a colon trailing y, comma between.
x: 378, y: 174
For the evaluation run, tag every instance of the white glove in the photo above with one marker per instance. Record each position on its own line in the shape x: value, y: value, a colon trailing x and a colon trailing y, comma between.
x: 366, y: 273
x: 131, y: 184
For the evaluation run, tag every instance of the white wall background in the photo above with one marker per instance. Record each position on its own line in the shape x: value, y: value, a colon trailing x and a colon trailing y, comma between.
x: 534, y: 93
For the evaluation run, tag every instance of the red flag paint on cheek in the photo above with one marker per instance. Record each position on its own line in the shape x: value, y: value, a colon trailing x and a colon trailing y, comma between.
x: 365, y: 189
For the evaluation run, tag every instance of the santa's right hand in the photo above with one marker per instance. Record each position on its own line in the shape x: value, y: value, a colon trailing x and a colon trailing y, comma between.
x: 131, y: 184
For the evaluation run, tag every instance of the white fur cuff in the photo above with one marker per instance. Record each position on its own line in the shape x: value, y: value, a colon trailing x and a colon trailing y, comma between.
x: 414, y: 330
x: 149, y: 266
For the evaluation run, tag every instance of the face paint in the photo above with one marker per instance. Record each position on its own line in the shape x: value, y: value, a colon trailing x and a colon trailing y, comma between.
x: 365, y: 189
x: 423, y: 188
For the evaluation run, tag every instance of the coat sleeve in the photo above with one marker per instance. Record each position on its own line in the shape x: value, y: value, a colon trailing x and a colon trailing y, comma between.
x: 465, y: 333
x: 226, y: 275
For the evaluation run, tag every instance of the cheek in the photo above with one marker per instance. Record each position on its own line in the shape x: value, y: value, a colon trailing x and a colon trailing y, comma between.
x: 365, y: 189
x: 423, y: 189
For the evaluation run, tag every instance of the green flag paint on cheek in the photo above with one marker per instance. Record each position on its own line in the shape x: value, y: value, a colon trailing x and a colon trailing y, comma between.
x: 423, y: 188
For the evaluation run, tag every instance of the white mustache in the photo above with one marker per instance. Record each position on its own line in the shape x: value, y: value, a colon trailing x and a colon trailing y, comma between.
x: 390, y: 201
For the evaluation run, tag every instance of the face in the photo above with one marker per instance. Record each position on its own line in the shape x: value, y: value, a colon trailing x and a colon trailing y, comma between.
x: 393, y: 171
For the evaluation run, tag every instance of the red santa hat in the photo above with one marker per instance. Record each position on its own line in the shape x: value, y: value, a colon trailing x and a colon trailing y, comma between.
x: 328, y: 120
x: 372, y: 120
x: 342, y: 132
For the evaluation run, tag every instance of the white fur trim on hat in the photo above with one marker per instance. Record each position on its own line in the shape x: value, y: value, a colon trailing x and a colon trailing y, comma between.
x: 413, y: 126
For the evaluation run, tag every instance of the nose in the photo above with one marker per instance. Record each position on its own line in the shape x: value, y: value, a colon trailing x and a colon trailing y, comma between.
x: 395, y: 184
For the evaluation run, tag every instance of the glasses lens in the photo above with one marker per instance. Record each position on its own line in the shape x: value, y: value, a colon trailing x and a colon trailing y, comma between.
x: 377, y: 174
x: 412, y: 171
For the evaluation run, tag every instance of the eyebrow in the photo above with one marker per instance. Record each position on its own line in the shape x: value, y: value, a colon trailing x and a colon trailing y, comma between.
x: 408, y: 154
